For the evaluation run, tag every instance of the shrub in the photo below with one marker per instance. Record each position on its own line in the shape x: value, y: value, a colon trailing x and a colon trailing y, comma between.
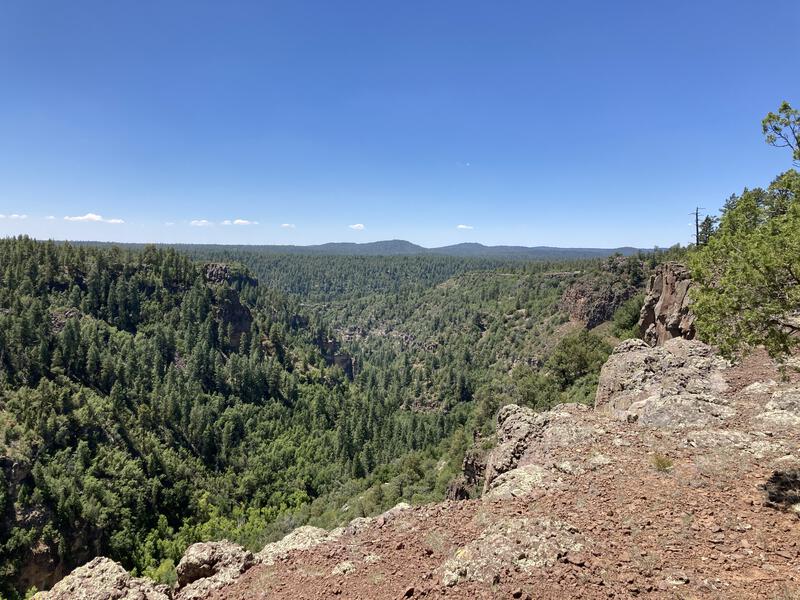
x: 662, y: 463
x: 624, y: 323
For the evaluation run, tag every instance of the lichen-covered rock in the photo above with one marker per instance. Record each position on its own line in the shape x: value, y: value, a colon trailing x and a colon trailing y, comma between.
x: 783, y: 408
x: 208, y: 566
x: 513, y: 545
x: 355, y: 526
x: 680, y: 410
x: 517, y: 482
x: 516, y: 426
x: 678, y: 384
x: 301, y: 538
x: 392, y: 513
x: 564, y: 425
x: 103, y: 579
x: 343, y: 568
x: 666, y: 312
x: 526, y: 437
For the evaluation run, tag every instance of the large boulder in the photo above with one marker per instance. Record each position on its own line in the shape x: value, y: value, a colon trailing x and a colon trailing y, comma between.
x: 103, y: 579
x: 301, y: 538
x: 678, y: 384
x: 666, y: 312
x: 208, y: 566
x: 509, y: 546
x: 783, y: 408
x: 524, y: 438
x: 517, y: 482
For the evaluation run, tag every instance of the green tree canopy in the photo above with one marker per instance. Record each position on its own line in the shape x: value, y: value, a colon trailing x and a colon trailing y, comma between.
x: 748, y: 274
x: 782, y: 129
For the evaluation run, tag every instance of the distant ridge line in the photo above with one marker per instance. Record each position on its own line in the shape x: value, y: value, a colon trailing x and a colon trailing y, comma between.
x: 406, y: 248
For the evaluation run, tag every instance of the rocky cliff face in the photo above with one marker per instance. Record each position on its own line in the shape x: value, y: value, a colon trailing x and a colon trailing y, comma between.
x: 233, y: 316
x: 684, y: 481
x: 591, y: 305
x: 594, y: 297
x: 334, y: 356
x: 666, y: 313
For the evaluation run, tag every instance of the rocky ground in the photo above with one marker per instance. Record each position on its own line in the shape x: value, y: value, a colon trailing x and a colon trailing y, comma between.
x: 683, y: 482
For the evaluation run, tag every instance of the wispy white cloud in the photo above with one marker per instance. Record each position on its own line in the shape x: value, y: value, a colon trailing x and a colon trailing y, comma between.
x: 50, y: 218
x: 94, y: 218
x: 200, y: 223
x: 238, y: 222
x: 464, y: 227
x: 14, y: 216
x: 288, y: 225
x: 357, y: 226
x: 169, y: 223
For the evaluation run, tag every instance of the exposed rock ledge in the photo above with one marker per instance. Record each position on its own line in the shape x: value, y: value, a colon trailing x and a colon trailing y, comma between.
x: 676, y: 385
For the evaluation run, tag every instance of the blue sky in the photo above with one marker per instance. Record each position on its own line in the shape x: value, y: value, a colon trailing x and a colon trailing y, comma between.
x: 560, y: 123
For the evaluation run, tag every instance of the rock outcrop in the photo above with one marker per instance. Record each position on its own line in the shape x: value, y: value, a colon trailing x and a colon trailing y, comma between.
x: 678, y: 384
x: 301, y: 538
x: 334, y: 356
x: 225, y: 273
x: 522, y: 544
x: 783, y: 409
x: 234, y: 317
x: 103, y: 579
x: 473, y: 469
x: 666, y: 312
x: 208, y: 566
x: 596, y: 294
x: 525, y: 439
x: 516, y: 426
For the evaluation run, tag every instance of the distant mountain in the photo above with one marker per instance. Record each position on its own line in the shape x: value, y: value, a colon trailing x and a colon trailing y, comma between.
x: 466, y: 250
x: 382, y: 248
x: 405, y: 248
x: 527, y: 252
